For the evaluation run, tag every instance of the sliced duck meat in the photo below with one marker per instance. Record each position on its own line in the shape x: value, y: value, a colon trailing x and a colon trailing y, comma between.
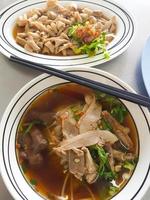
x: 69, y: 127
x: 46, y: 117
x: 87, y: 139
x: 54, y: 133
x: 120, y: 156
x: 39, y: 143
x: 121, y: 131
x: 76, y: 163
x: 109, y: 149
x: 68, y: 123
x: 114, y: 123
x: 64, y: 157
x: 32, y: 144
x: 91, y: 173
x: 92, y: 114
x: 125, y: 139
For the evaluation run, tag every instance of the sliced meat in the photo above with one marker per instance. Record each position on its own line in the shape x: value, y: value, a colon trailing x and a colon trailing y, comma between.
x: 76, y: 163
x: 68, y: 123
x: 109, y: 149
x: 97, y: 14
x: 87, y: 11
x: 121, y: 131
x: 52, y: 15
x: 20, y: 41
x: 33, y: 45
x: 114, y: 123
x: 120, y: 156
x: 28, y: 48
x: 92, y: 114
x: 22, y: 20
x: 64, y: 47
x: 55, y: 135
x: 27, y: 152
x: 52, y: 3
x: 106, y: 136
x: 125, y: 139
x: 50, y: 46
x: 39, y: 143
x: 39, y: 26
x: 91, y: 173
x: 87, y: 139
x: 79, y: 141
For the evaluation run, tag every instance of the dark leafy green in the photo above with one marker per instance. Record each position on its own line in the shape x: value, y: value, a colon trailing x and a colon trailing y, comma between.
x: 101, y: 158
x: 33, y: 182
x: 119, y: 112
x: 106, y: 125
x: 116, y: 108
x: 113, y: 190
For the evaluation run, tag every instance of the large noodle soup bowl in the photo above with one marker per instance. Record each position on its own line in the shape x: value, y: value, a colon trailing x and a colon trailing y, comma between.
x: 11, y: 171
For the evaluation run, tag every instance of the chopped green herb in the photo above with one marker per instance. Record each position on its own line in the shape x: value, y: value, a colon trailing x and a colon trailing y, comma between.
x: 106, y: 125
x: 33, y: 182
x: 28, y: 128
x: 92, y: 48
x: 130, y: 165
x: 113, y: 190
x: 72, y: 30
x: 117, y: 109
x: 20, y: 128
x: 76, y: 110
x: 119, y: 112
x: 101, y: 158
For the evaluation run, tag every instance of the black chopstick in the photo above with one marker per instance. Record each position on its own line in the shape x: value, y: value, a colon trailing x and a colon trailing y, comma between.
x: 123, y: 94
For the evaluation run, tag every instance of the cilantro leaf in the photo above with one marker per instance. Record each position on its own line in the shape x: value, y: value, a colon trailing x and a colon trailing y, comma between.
x: 101, y: 158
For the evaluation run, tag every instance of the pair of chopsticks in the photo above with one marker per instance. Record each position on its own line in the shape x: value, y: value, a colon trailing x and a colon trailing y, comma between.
x: 123, y: 94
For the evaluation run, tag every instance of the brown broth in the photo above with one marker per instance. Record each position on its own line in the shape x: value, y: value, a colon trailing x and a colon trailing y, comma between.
x: 50, y: 176
x: 16, y: 30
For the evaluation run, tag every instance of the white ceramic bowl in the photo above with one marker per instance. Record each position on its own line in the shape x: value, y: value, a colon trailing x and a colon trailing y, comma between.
x: 10, y: 170
x: 124, y: 35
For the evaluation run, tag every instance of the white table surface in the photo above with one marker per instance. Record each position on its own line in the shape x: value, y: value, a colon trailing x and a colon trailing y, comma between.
x: 127, y: 66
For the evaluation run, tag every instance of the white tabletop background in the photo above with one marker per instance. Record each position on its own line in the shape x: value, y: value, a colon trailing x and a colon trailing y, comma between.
x: 127, y: 66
